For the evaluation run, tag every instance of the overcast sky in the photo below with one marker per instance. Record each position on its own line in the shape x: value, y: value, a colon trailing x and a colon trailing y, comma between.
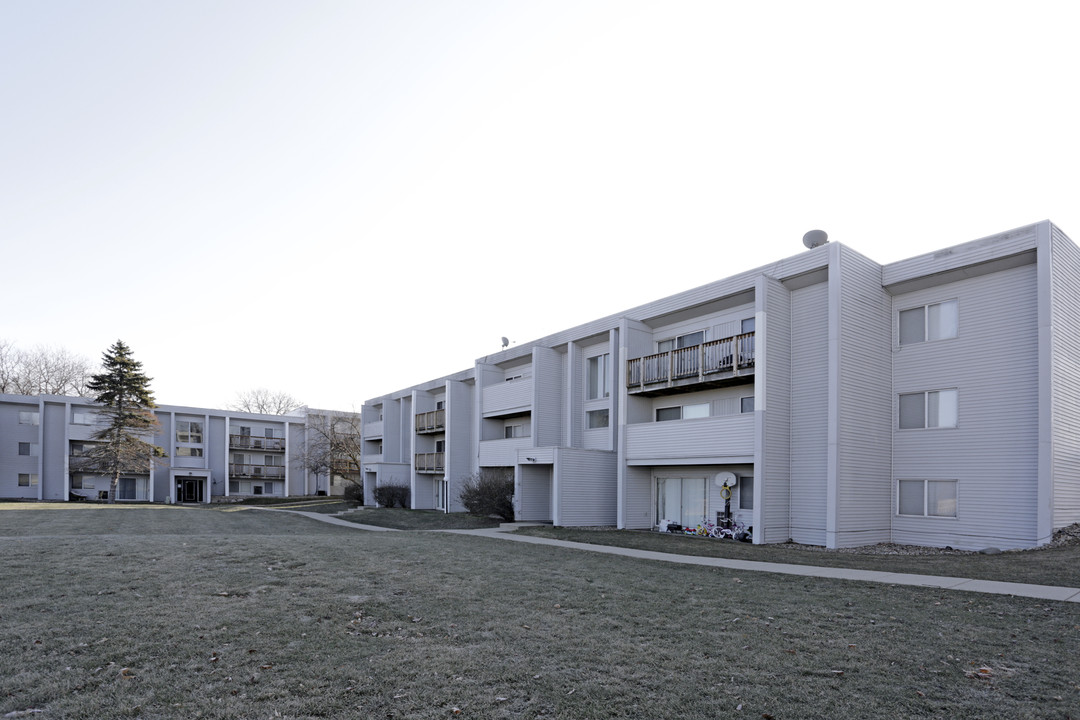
x: 340, y: 199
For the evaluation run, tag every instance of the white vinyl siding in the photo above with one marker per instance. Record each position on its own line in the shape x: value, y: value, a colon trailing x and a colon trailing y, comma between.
x: 809, y: 413
x: 994, y: 447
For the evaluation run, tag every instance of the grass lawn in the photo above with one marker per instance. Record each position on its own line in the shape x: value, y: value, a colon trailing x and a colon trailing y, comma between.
x: 167, y: 612
x: 1050, y: 566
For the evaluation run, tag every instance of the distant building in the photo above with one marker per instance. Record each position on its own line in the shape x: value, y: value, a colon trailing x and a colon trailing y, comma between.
x: 210, y: 454
x: 933, y: 401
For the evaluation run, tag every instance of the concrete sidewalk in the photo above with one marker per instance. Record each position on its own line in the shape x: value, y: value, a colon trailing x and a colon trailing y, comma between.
x: 1041, y: 592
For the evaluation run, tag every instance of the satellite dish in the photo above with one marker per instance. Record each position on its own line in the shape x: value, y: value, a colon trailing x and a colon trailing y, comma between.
x: 815, y: 238
x: 505, y: 342
x: 725, y: 478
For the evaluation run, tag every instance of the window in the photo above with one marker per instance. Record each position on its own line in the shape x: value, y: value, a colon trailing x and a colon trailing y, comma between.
x: 513, y: 377
x: 440, y: 446
x: 746, y: 492
x: 76, y: 482
x: 939, y: 321
x: 189, y: 452
x: 272, y: 460
x: 686, y: 412
x: 680, y: 500
x: 268, y: 433
x: 681, y: 341
x: 513, y: 431
x: 926, y: 498
x: 440, y: 404
x: 746, y: 405
x: 246, y: 431
x: 29, y: 418
x: 748, y: 325
x: 82, y: 418
x: 28, y: 479
x: 668, y: 413
x: 698, y: 410
x: 596, y: 419
x: 79, y: 449
x: 932, y: 409
x: 188, y: 431
x: 30, y: 449
x: 598, y: 377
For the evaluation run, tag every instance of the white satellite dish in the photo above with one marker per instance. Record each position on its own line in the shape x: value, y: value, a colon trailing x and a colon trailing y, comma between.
x: 815, y: 238
x: 725, y: 478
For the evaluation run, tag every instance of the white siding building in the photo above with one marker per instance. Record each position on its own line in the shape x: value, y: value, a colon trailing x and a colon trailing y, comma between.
x: 934, y: 401
x: 208, y: 454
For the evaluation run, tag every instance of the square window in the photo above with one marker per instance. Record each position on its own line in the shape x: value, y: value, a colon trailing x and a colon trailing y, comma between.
x: 939, y: 321
x: 597, y: 419
x: 746, y: 405
x: 748, y: 325
x: 931, y: 409
x: 926, y: 498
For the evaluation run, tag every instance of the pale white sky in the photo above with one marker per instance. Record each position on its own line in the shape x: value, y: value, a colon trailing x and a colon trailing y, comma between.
x: 340, y: 199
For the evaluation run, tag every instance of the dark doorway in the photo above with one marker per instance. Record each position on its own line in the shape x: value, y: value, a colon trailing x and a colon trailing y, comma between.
x: 191, y: 490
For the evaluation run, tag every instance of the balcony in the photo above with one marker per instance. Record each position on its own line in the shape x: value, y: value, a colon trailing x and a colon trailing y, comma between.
x: 344, y: 466
x: 271, y: 472
x: 717, y: 362
x: 252, y: 442
x: 430, y: 462
x: 714, y: 439
x: 429, y: 422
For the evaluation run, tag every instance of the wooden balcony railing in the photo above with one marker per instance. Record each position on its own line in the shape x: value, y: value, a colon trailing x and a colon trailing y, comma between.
x: 254, y: 442
x: 273, y: 472
x: 731, y: 354
x: 430, y: 461
x: 430, y: 421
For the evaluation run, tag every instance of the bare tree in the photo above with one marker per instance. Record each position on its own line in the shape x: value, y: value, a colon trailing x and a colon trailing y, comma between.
x: 43, y: 370
x: 333, y: 445
x: 265, y: 402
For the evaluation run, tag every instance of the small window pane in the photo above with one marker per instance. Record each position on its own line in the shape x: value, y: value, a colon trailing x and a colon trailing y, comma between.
x: 746, y: 493
x: 941, y: 408
x: 691, y: 339
x: 597, y: 419
x: 695, y: 411
x: 912, y: 411
x: 912, y: 325
x: 941, y: 321
x: 911, y: 497
x: 748, y: 325
x: 672, y: 413
x: 746, y: 405
x: 941, y: 498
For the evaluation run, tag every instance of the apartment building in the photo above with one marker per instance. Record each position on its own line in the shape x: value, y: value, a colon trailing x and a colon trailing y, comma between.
x: 209, y: 454
x: 823, y: 398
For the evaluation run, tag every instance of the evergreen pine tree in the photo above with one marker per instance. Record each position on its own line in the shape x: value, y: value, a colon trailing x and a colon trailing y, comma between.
x: 121, y: 445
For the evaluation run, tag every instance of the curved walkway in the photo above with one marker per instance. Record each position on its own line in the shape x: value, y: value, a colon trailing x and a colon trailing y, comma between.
x: 1041, y: 592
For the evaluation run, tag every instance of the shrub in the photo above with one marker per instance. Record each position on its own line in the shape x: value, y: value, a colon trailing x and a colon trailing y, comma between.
x: 489, y: 492
x: 354, y: 493
x: 390, y: 495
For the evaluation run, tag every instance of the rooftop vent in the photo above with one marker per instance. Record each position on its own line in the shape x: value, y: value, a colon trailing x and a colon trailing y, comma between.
x: 815, y: 238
